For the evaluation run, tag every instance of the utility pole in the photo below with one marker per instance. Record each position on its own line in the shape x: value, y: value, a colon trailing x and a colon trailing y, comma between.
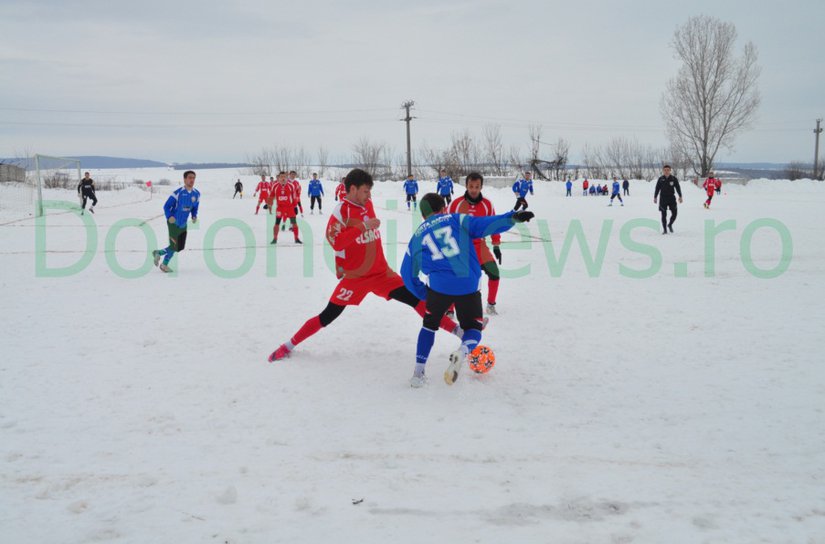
x: 817, y: 131
x: 407, y: 105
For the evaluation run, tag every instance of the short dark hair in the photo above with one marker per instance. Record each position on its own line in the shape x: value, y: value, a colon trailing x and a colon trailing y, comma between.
x: 281, y: 173
x: 472, y: 176
x: 431, y: 203
x: 189, y: 172
x: 293, y: 172
x: 356, y: 178
x: 666, y: 166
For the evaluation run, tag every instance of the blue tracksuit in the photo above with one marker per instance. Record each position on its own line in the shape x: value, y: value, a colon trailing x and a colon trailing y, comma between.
x: 444, y: 186
x: 411, y: 187
x: 315, y: 188
x: 522, y: 187
x: 616, y: 188
x: 442, y: 247
x: 180, y: 204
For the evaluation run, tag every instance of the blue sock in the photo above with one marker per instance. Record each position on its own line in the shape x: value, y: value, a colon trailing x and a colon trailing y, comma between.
x: 470, y: 340
x: 426, y: 337
x: 169, y: 253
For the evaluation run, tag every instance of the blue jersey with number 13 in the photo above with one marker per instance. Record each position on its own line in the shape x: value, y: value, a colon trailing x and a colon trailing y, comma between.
x: 442, y: 248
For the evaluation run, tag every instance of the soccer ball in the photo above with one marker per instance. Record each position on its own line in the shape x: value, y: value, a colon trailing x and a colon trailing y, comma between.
x: 481, y: 359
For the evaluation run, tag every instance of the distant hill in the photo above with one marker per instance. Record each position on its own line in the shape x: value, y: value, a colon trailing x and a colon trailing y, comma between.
x: 98, y: 162
x: 209, y: 165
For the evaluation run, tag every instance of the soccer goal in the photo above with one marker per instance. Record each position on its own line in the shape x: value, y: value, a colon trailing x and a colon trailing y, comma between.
x: 53, y: 173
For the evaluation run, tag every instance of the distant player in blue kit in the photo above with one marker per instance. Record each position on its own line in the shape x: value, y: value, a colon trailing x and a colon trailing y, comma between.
x: 569, y: 187
x: 616, y: 188
x: 444, y: 187
x: 520, y: 188
x: 182, y: 203
x: 442, y: 247
x: 411, y: 189
x: 315, y: 190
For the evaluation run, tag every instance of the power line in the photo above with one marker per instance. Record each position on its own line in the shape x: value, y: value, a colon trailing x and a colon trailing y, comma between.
x: 134, y: 112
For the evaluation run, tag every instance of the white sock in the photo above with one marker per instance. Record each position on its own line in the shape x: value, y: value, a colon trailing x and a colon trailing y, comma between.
x: 419, y: 369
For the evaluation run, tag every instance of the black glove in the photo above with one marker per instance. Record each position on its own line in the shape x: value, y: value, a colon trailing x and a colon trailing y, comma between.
x: 497, y: 253
x: 523, y: 217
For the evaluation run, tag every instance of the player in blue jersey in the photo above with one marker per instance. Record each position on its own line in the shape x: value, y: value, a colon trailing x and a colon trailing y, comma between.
x: 315, y: 190
x: 442, y: 247
x: 411, y: 189
x: 182, y: 203
x: 569, y: 187
x: 520, y: 188
x: 444, y: 186
x: 616, y: 188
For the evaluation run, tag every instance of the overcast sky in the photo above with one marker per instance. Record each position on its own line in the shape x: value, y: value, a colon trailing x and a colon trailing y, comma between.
x: 207, y: 81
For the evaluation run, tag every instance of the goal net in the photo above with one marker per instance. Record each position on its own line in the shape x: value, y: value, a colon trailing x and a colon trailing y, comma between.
x: 53, y: 173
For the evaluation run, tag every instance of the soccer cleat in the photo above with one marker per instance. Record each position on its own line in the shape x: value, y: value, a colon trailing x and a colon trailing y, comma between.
x: 706, y: 205
x: 164, y: 268
x: 274, y: 241
x: 311, y: 212
x: 156, y: 257
x: 298, y: 241
x: 610, y: 204
x: 484, y: 323
x: 283, y: 227
x: 417, y: 382
x: 281, y: 353
x: 456, y: 361
x: 670, y: 228
x: 92, y: 209
x: 491, y: 308
x: 451, y: 314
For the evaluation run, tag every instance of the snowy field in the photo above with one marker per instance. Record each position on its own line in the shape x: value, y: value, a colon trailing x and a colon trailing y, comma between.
x: 667, y: 391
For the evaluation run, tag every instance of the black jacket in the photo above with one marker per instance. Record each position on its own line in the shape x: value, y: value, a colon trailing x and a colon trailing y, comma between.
x: 668, y: 186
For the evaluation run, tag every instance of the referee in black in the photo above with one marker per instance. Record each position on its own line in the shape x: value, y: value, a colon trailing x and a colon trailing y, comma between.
x: 667, y: 186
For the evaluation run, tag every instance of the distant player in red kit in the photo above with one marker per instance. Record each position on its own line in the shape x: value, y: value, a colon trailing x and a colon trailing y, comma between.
x: 283, y: 195
x: 711, y: 185
x: 473, y: 203
x: 352, y: 231
x: 263, y: 189
x: 340, y: 191
x: 296, y: 185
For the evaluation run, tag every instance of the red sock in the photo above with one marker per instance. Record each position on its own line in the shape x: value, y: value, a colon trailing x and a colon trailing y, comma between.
x: 275, y: 231
x: 312, y: 326
x: 295, y: 231
x: 492, y: 291
x: 446, y: 323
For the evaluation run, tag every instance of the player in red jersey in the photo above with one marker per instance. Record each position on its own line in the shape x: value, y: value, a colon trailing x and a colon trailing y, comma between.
x: 710, y: 186
x: 264, y: 188
x: 473, y: 203
x: 284, y: 197
x: 296, y: 185
x: 352, y: 231
x: 340, y: 191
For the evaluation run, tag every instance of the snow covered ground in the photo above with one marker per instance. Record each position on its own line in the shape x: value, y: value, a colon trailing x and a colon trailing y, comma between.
x: 673, y: 393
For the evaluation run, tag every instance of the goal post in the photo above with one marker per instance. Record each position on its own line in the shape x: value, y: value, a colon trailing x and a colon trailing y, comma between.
x: 54, y: 172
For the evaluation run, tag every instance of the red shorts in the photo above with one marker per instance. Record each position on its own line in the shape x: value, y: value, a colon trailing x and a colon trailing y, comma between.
x: 285, y: 213
x: 351, y: 291
x: 263, y: 198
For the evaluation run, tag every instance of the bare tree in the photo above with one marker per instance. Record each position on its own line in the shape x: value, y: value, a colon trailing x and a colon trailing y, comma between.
x: 515, y: 159
x: 494, y: 149
x: 323, y: 159
x: 715, y: 94
x: 535, y: 141
x: 260, y: 164
x: 464, y: 152
x: 561, y: 151
x: 367, y: 155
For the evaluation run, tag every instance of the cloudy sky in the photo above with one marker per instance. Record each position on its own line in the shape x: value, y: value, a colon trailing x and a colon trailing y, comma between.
x: 207, y: 81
